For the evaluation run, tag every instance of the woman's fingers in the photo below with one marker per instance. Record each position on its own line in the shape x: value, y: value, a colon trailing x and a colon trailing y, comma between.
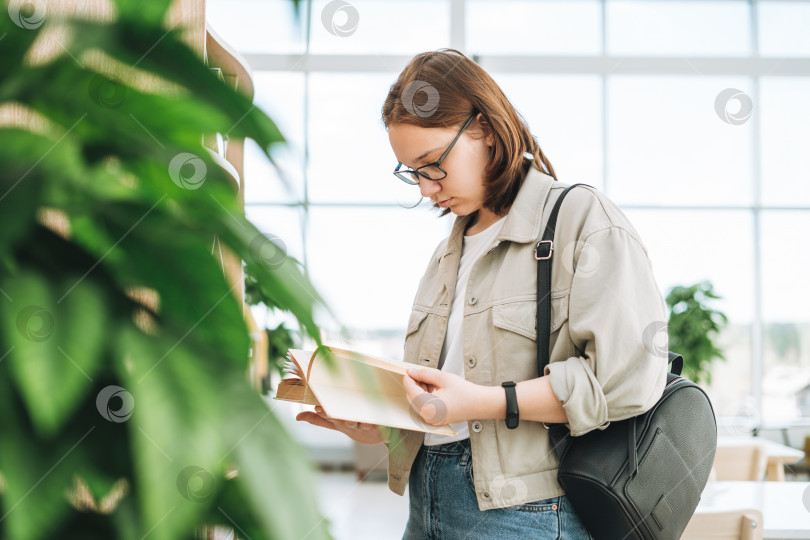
x: 359, y: 431
x: 316, y: 419
x: 320, y: 418
x: 426, y: 375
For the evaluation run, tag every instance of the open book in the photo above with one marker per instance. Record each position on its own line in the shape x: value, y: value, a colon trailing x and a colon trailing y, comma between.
x: 357, y: 388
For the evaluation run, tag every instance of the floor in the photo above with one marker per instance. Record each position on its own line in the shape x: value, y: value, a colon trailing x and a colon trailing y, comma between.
x: 362, y: 510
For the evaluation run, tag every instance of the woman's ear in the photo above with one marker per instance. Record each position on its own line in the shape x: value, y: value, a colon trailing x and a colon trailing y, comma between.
x: 486, y: 129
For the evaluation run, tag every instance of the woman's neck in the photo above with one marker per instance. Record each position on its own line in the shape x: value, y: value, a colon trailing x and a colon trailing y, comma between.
x: 481, y: 221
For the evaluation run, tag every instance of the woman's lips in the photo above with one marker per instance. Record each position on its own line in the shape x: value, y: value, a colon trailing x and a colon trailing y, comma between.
x: 445, y: 204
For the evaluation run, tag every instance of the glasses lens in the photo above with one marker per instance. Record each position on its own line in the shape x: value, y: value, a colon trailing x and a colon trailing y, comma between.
x: 433, y: 172
x: 407, y: 176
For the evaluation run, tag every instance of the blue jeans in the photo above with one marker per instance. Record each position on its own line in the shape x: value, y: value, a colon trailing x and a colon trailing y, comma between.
x: 443, y: 505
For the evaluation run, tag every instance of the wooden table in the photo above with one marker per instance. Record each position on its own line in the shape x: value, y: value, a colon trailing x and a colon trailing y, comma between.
x: 778, y: 454
x: 784, y: 505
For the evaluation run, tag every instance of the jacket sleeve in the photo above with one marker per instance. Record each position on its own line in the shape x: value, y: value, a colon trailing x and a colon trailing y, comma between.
x: 616, y: 310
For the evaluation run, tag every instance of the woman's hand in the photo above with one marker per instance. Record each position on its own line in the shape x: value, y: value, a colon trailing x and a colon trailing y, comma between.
x: 438, y: 397
x: 358, y: 431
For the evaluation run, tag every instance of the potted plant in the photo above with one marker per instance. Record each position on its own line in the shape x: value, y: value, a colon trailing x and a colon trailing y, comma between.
x: 124, y: 406
x: 693, y: 328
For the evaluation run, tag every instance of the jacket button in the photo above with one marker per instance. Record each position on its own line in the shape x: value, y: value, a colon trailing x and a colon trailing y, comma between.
x: 473, y: 300
x: 425, y: 360
x: 477, y: 427
x: 471, y: 361
x: 486, y: 495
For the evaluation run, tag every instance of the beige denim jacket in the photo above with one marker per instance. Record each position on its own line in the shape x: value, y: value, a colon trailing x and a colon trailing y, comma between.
x: 608, y: 338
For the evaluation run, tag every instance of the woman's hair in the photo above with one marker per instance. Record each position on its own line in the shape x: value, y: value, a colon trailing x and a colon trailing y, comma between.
x: 443, y: 89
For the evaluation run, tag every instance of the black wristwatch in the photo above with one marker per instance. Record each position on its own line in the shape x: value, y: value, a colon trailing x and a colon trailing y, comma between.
x: 511, y: 405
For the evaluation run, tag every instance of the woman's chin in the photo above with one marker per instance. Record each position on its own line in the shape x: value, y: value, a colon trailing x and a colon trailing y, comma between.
x: 455, y: 208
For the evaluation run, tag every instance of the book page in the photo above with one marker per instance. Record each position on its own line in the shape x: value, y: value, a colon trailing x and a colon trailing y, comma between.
x: 293, y: 387
x: 364, y: 389
x: 301, y: 359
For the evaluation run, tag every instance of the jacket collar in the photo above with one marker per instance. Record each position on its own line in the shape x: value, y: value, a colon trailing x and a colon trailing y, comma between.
x: 525, y: 218
x: 523, y: 221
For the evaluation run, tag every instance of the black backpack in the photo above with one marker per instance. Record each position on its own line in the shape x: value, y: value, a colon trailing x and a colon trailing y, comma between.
x: 640, y: 478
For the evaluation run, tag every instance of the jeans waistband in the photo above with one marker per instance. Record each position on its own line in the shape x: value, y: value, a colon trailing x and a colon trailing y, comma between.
x: 448, y: 449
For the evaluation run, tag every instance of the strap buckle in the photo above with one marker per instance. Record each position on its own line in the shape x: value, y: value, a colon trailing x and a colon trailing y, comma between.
x: 545, y: 255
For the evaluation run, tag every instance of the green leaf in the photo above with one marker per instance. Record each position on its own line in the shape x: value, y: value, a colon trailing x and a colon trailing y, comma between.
x: 15, y: 43
x: 176, y: 423
x: 184, y: 417
x: 283, y: 485
x: 278, y: 275
x: 104, y: 161
x: 172, y: 59
x: 153, y: 11
x: 55, y: 337
x: 29, y: 160
x: 147, y: 244
x: 693, y: 325
x: 35, y: 475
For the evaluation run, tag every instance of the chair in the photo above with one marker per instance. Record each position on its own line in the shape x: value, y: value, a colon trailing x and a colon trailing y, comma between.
x: 741, y: 463
x: 802, y: 467
x: 731, y: 525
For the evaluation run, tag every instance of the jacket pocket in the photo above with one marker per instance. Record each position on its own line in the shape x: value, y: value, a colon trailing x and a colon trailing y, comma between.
x: 559, y: 311
x: 414, y: 334
x: 518, y: 317
x: 521, y: 317
x: 416, y: 319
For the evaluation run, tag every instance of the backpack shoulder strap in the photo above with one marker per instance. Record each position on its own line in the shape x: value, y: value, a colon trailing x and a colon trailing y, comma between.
x: 543, y: 252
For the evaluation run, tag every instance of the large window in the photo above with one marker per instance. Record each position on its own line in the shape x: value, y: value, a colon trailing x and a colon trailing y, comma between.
x: 691, y: 115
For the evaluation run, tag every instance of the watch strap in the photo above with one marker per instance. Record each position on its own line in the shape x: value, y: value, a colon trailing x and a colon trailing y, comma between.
x: 512, y: 413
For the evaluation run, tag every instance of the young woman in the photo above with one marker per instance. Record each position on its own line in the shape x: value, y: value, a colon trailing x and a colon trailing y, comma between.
x: 459, y: 139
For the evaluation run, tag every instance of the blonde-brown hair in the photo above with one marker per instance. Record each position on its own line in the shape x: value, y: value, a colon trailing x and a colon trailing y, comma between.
x: 443, y: 89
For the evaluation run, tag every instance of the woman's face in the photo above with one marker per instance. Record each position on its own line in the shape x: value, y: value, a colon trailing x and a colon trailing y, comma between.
x: 462, y: 190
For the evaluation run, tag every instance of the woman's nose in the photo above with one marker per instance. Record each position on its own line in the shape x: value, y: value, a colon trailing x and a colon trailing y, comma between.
x: 429, y: 187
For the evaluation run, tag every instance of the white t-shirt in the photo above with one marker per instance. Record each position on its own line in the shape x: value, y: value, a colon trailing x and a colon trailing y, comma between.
x: 452, y: 350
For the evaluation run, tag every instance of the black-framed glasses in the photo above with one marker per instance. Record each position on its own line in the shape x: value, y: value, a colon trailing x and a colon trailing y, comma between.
x: 431, y: 171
